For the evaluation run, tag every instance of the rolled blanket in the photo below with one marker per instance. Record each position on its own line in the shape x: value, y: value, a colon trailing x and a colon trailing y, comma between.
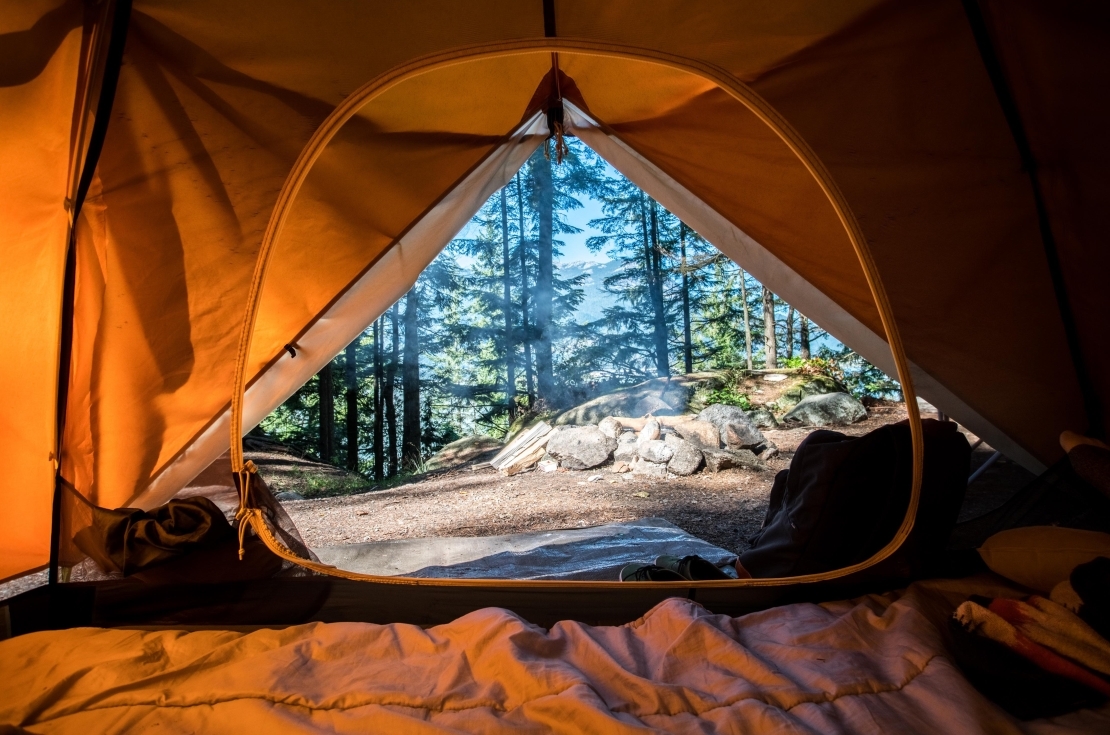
x: 985, y: 622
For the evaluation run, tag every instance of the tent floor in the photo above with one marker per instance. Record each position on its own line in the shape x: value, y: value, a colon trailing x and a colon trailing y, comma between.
x: 280, y: 602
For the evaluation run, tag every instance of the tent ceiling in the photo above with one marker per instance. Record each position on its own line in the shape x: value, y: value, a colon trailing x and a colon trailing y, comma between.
x: 209, y: 120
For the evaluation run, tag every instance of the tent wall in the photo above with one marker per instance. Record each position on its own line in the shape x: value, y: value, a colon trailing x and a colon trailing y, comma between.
x: 217, y: 100
x: 40, y: 61
x: 1054, y: 59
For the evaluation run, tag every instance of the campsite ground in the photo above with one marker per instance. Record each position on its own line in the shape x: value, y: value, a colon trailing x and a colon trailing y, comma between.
x: 724, y: 508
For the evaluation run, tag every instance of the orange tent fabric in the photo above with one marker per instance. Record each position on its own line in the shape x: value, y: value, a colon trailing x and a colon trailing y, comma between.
x: 216, y: 102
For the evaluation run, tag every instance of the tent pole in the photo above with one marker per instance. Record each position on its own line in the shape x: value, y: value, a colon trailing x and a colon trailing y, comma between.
x: 121, y: 16
x: 1006, y: 101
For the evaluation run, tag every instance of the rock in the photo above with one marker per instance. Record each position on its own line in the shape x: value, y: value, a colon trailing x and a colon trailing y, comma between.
x: 769, y: 453
x: 736, y: 429
x: 651, y: 469
x: 724, y: 459
x: 686, y: 458
x: 462, y: 451
x: 628, y: 437
x: 625, y: 452
x: 700, y: 433
x: 655, y: 451
x: 763, y: 418
x: 743, y: 436
x: 621, y: 467
x: 652, y: 406
x: 610, y: 427
x: 548, y: 465
x: 675, y: 392
x: 594, y: 478
x: 580, y: 447
x: 813, y: 385
x: 650, y: 432
x: 774, y: 378
x: 826, y: 409
x: 288, y: 495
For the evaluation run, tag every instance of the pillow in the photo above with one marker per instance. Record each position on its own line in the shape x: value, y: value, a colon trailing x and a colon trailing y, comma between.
x: 1040, y: 557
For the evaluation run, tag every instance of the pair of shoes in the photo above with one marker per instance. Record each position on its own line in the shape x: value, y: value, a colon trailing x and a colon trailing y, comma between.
x: 693, y: 568
x: 648, y: 573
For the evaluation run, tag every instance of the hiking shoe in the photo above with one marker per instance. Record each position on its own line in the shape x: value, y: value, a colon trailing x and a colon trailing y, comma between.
x: 693, y: 568
x: 648, y: 573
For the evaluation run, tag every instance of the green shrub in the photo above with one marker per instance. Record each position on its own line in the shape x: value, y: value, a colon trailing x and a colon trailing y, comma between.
x: 729, y: 396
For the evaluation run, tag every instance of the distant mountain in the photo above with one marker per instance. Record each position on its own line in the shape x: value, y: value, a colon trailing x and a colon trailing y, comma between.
x: 596, y: 298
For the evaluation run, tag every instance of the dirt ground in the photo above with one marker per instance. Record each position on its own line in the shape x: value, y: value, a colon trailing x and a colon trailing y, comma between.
x: 725, y: 508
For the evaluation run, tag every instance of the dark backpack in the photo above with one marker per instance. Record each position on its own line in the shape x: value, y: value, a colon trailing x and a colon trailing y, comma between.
x: 843, y: 498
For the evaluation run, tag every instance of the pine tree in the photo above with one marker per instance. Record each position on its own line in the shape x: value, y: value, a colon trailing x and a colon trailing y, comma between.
x: 770, y: 348
x: 350, y: 375
x: 390, y: 386
x: 803, y: 336
x: 747, y: 320
x: 687, y: 344
x: 789, y: 331
x: 410, y: 384
x: 379, y: 433
x: 507, y: 308
x: 544, y: 294
x: 327, y: 413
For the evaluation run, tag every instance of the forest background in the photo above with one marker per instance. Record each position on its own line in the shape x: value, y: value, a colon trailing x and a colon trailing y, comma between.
x: 570, y: 282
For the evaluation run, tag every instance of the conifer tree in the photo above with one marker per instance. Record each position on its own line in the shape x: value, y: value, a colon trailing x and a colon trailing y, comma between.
x: 410, y: 384
x: 350, y: 375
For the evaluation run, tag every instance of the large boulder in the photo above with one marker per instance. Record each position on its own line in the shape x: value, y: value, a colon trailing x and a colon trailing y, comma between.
x: 701, y: 433
x: 810, y: 385
x: 652, y: 406
x: 762, y: 417
x: 659, y: 396
x: 826, y: 409
x: 685, y: 459
x: 462, y: 451
x: 580, y: 447
x: 736, y: 430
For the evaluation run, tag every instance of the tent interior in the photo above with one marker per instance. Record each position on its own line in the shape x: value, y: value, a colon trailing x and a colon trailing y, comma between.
x: 239, y: 206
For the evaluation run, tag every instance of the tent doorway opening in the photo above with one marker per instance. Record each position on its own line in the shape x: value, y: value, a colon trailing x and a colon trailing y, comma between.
x: 571, y: 298
x: 339, y: 258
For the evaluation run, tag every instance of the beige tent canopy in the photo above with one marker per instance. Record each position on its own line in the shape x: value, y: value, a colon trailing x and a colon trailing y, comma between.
x: 966, y: 139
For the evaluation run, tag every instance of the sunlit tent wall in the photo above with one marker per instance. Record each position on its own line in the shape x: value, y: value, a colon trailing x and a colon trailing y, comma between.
x: 969, y: 140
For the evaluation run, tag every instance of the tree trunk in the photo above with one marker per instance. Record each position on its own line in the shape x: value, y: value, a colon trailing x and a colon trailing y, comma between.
x: 525, y: 329
x: 789, y: 332
x: 545, y: 273
x: 327, y: 413
x: 410, y: 378
x: 803, y: 336
x: 390, y: 389
x: 770, y: 348
x: 649, y: 224
x: 747, y: 318
x: 379, y: 428
x: 350, y: 375
x: 687, y: 345
x: 510, y: 356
